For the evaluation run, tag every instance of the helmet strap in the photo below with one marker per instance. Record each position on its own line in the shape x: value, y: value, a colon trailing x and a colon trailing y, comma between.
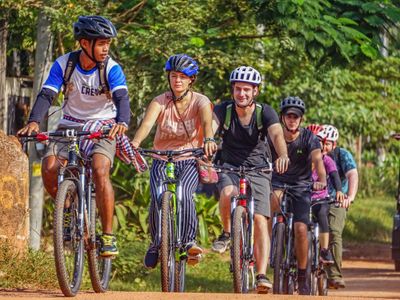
x: 292, y: 131
x: 91, y: 57
x: 177, y: 99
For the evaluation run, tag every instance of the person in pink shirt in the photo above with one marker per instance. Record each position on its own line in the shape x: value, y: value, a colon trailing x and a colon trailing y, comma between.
x: 322, y: 210
x: 184, y: 121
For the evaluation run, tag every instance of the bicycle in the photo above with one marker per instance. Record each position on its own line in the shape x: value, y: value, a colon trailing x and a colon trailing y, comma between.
x: 318, y: 276
x: 242, y: 218
x: 173, y: 255
x: 282, y: 258
x: 76, y: 227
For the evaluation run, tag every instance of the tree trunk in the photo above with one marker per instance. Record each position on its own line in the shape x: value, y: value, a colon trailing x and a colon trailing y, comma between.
x: 44, y: 47
x: 3, y: 67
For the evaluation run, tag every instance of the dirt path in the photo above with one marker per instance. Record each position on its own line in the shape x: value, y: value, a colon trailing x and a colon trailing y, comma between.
x: 364, y: 279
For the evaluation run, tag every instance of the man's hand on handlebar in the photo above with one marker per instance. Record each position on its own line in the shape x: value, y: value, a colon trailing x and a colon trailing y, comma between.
x: 282, y: 164
x: 117, y: 129
x: 29, y: 129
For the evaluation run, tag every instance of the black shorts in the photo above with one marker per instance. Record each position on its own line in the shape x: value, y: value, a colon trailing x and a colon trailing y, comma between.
x: 301, y: 201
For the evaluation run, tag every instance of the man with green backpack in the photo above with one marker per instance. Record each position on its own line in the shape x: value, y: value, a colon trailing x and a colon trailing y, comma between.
x: 243, y: 125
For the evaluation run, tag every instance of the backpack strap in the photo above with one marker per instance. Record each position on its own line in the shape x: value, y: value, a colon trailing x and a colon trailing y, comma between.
x: 259, y: 121
x: 105, y: 88
x: 69, y: 69
x: 228, y: 116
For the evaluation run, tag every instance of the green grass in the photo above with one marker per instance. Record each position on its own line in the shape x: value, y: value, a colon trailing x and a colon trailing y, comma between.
x: 370, y: 220
x: 210, y: 275
x: 32, y: 269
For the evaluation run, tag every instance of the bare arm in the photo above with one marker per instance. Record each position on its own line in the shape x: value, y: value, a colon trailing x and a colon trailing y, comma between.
x: 275, y: 133
x: 215, y: 123
x: 206, y: 115
x: 150, y: 118
x: 352, y: 177
x: 316, y: 157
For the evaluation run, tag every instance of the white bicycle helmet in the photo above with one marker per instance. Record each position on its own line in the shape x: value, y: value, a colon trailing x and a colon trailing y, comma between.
x: 331, y: 133
x: 245, y: 74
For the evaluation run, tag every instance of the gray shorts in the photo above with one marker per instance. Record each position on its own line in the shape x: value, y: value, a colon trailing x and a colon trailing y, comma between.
x: 260, y: 189
x: 105, y: 146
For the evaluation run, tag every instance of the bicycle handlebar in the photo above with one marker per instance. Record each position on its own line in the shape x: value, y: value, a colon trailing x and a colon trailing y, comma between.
x: 327, y: 200
x: 67, y: 133
x: 197, y: 152
x: 266, y: 168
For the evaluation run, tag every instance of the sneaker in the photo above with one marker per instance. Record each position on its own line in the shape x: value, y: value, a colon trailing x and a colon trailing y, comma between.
x: 151, y: 258
x: 67, y: 225
x: 304, y: 288
x: 194, y: 253
x: 263, y: 285
x: 108, y: 245
x: 326, y: 257
x: 340, y: 283
x: 222, y: 242
x: 332, y: 284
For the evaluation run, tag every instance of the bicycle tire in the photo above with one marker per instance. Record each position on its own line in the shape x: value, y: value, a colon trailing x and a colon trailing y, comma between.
x: 239, y: 244
x: 180, y: 272
x: 99, y: 268
x: 310, y: 270
x: 69, y: 276
x: 322, y: 283
x: 397, y: 265
x: 278, y: 252
x: 167, y: 251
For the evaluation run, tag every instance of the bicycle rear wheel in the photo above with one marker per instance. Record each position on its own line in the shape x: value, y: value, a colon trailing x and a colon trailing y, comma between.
x: 167, y: 250
x: 180, y: 272
x: 68, y: 244
x: 99, y: 267
x: 278, y: 252
x: 240, y: 241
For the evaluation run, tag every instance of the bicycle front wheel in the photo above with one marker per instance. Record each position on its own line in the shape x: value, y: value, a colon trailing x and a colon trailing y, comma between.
x: 68, y: 241
x: 240, y: 242
x: 311, y: 268
x: 180, y: 271
x: 167, y: 249
x: 278, y: 252
x: 99, y: 267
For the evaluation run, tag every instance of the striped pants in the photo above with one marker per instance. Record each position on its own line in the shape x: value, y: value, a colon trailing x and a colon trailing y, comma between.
x: 186, y: 171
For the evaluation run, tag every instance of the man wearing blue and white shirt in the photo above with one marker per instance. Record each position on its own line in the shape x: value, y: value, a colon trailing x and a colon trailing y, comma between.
x: 87, y: 100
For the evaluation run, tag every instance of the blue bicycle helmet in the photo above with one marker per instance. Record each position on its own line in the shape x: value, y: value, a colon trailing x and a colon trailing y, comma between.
x: 182, y: 63
x: 293, y: 105
x: 94, y: 27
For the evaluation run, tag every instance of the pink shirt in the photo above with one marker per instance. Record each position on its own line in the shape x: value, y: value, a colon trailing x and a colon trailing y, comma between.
x: 330, y: 166
x: 171, y: 134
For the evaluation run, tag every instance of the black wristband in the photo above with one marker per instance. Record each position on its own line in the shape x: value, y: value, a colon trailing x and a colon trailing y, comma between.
x: 206, y: 140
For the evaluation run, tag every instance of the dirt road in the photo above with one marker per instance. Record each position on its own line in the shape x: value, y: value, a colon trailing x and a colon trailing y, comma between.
x: 364, y: 279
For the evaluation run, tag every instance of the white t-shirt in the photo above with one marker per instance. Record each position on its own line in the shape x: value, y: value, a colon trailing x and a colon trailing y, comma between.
x: 84, y: 101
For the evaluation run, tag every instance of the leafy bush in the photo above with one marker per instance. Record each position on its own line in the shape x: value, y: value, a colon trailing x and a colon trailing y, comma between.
x: 378, y: 180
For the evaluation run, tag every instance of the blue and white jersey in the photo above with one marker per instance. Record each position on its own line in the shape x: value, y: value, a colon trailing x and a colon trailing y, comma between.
x: 84, y: 99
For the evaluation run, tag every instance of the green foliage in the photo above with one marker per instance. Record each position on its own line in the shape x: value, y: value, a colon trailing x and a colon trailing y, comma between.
x: 209, y: 218
x: 370, y: 220
x: 379, y: 179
